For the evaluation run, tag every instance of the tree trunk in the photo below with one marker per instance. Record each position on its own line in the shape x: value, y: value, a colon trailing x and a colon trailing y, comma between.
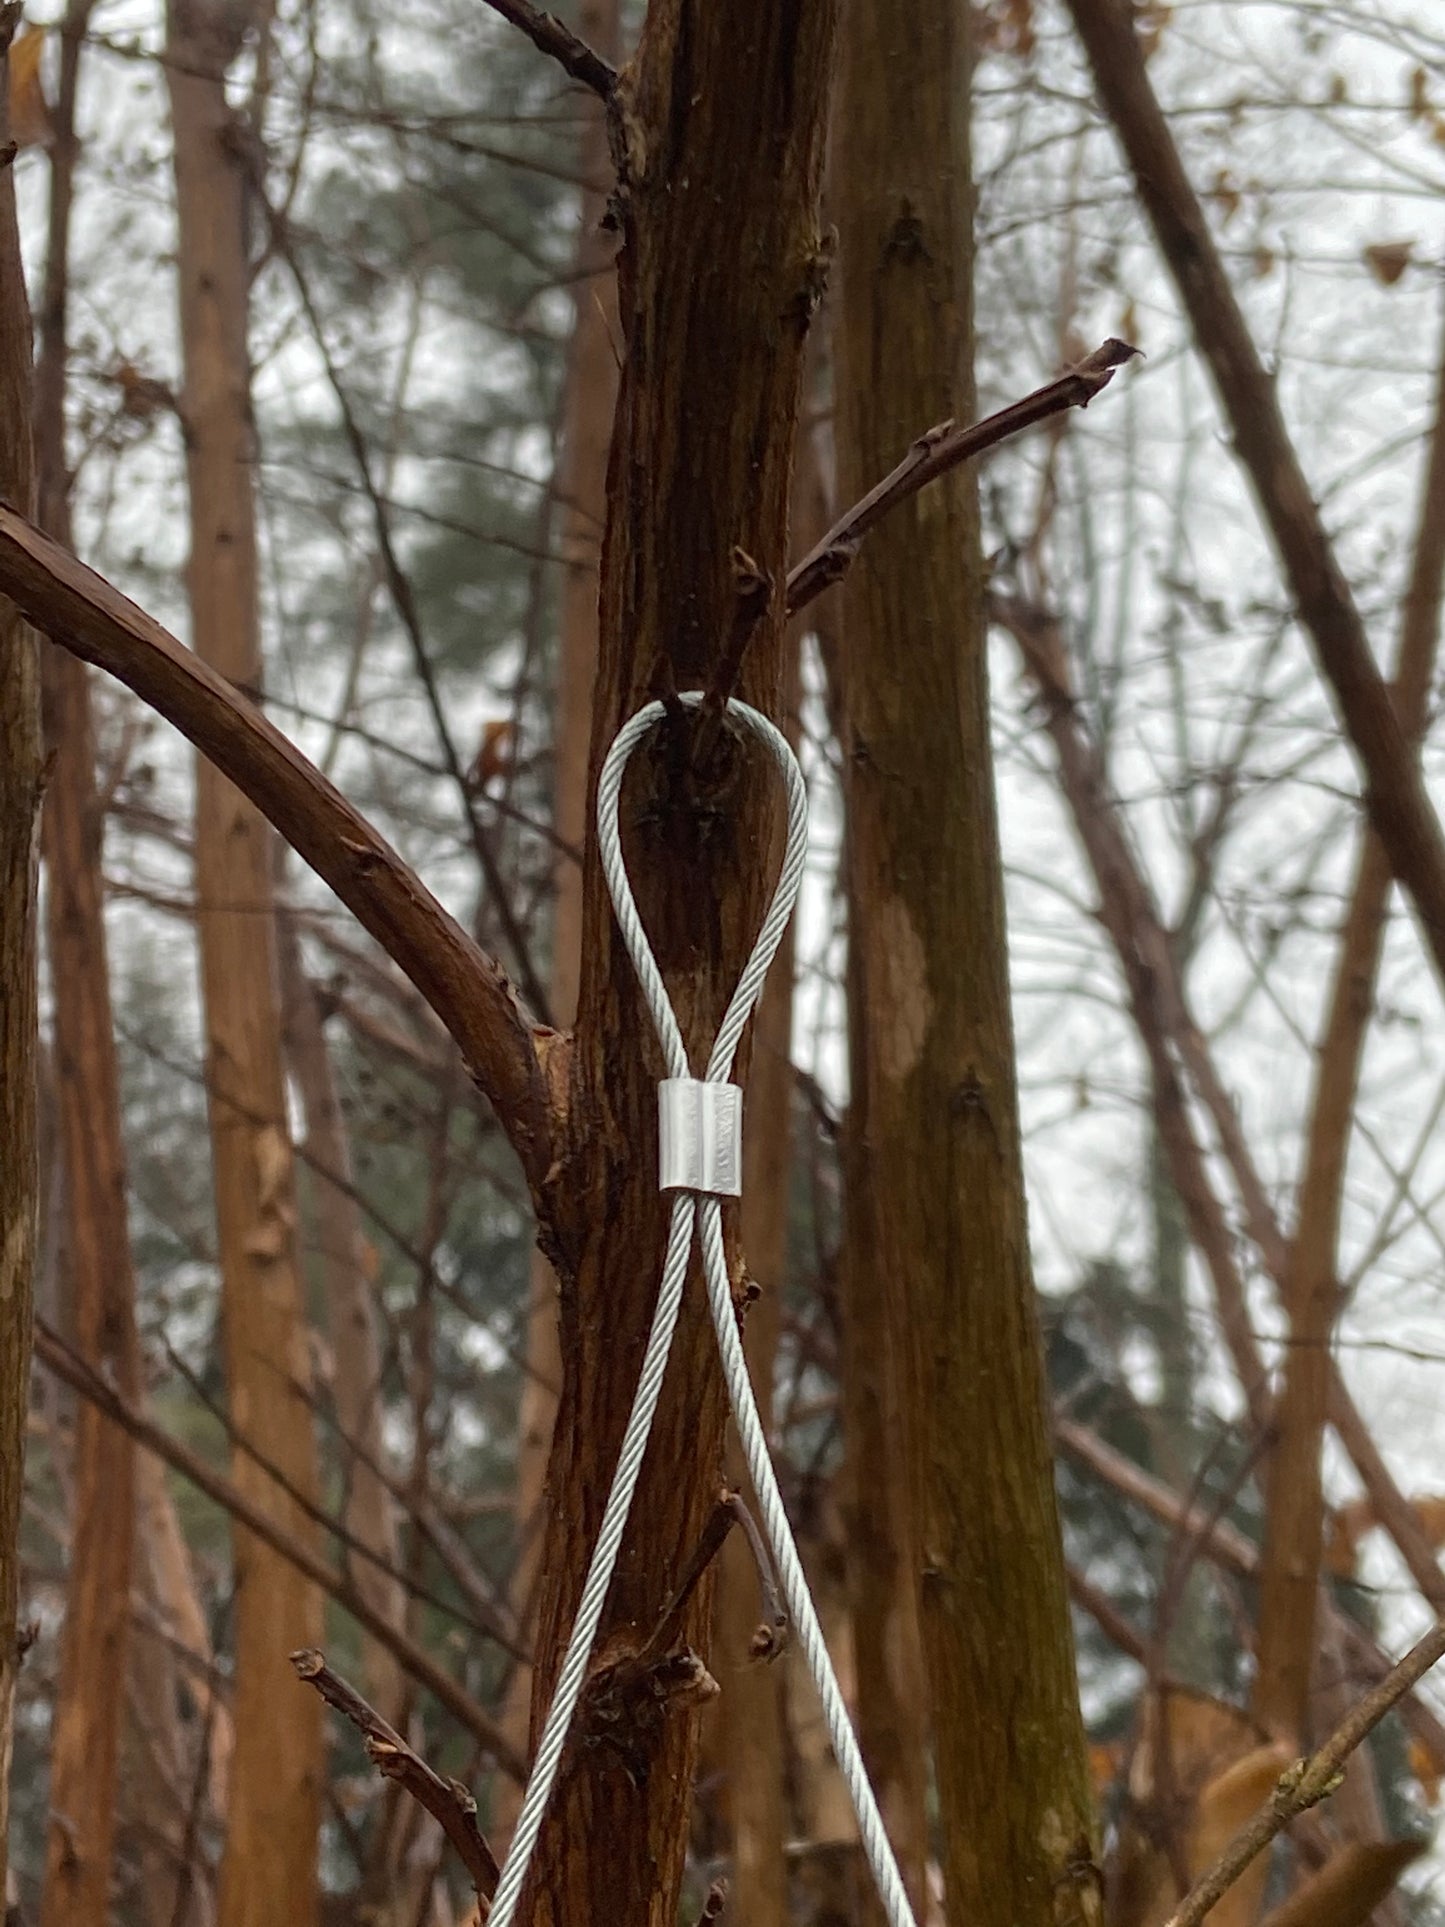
x: 268, y: 1871
x: 165, y: 1833
x: 20, y: 784
x: 586, y: 434
x: 927, y: 910
x: 90, y: 1692
x: 720, y: 263
x: 891, y: 1694
x: 370, y: 1512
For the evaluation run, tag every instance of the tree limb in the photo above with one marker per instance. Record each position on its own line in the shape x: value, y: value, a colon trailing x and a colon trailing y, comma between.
x: 59, y: 1358
x: 936, y: 452
x: 1308, y: 1781
x: 547, y: 32
x: 1395, y: 794
x: 468, y: 990
x: 1227, y: 1546
x: 448, y: 1801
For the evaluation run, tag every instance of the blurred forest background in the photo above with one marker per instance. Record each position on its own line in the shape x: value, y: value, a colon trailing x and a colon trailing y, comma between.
x: 433, y: 353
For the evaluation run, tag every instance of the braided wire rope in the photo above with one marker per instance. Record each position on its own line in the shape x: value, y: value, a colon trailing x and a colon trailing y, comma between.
x: 681, y: 1227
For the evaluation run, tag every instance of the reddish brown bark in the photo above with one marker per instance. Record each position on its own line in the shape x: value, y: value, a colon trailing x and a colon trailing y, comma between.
x: 582, y: 486
x: 926, y: 909
x: 20, y: 785
x: 90, y: 1693
x: 719, y: 265
x: 269, y: 1865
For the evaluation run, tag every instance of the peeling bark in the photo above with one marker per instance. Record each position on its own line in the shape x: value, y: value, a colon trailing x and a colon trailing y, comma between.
x: 269, y: 1867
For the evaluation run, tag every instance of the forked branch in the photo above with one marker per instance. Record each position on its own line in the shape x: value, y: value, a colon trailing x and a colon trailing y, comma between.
x: 467, y: 989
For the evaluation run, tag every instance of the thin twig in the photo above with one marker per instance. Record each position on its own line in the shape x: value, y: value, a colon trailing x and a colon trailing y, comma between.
x: 547, y: 32
x: 1309, y: 1781
x: 771, y: 1635
x: 403, y: 598
x: 935, y: 453
x: 68, y: 1365
x: 448, y: 1801
x: 1396, y: 796
x: 468, y: 990
x: 717, y: 1526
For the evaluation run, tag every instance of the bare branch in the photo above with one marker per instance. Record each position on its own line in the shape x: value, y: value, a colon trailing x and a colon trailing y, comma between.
x: 468, y: 990
x: 448, y: 1801
x: 935, y: 453
x: 1309, y: 1781
x: 1228, y: 1547
x: 1395, y: 794
x: 68, y: 1365
x: 547, y: 32
x: 770, y: 1636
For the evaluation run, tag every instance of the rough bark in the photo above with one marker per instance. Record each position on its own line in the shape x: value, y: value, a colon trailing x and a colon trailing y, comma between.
x: 927, y: 920
x: 20, y: 785
x: 1294, y: 1531
x: 269, y: 1868
x: 749, y: 1709
x: 369, y: 1511
x: 90, y: 1692
x: 888, y: 1656
x: 719, y: 266
x: 1395, y: 795
x: 586, y: 434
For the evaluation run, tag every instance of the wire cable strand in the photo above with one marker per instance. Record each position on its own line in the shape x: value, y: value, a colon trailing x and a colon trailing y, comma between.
x: 683, y: 1223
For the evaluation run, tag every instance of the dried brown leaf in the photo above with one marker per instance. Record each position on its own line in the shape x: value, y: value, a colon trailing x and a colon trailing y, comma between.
x: 1388, y: 260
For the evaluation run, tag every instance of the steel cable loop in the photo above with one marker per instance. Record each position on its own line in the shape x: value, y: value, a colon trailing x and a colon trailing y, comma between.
x: 749, y: 989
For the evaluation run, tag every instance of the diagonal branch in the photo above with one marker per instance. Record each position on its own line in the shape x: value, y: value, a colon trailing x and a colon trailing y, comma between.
x: 943, y: 448
x: 403, y: 598
x: 468, y: 990
x: 1395, y: 794
x: 1309, y: 1781
x: 1226, y: 1546
x: 552, y: 37
x: 448, y: 1801
x: 72, y: 1369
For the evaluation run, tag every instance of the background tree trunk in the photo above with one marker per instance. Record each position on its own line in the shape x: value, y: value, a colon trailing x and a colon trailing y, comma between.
x: 269, y: 1868
x: 370, y: 1512
x: 90, y: 1693
x: 20, y: 782
x: 717, y: 279
x: 927, y: 919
